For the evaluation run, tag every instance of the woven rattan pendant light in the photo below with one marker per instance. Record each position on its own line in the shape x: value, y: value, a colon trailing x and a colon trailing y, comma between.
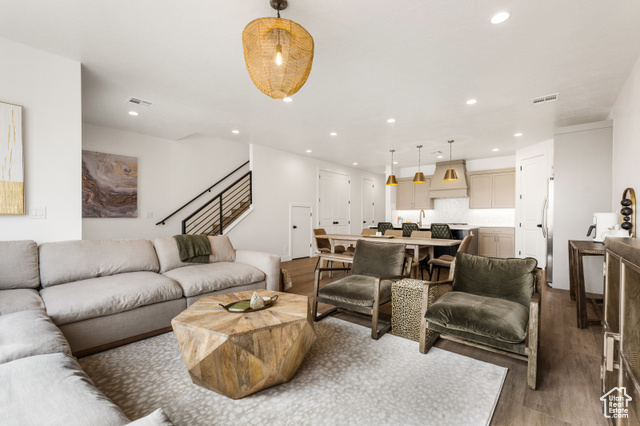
x: 278, y: 54
x: 391, y: 181
x: 450, y: 174
x: 419, y: 176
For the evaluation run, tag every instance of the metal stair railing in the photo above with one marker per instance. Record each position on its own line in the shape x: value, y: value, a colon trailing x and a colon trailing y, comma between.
x: 162, y: 222
x: 222, y: 210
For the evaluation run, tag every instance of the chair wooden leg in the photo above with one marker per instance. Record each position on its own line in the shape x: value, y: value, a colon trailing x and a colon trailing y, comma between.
x: 427, y: 344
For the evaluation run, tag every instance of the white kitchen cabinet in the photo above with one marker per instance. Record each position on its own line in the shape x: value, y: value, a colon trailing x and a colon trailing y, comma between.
x: 413, y: 196
x: 497, y: 242
x: 492, y: 189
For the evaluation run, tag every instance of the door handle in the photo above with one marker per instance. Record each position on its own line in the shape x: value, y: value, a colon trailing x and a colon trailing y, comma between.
x: 295, y: 227
x: 335, y: 223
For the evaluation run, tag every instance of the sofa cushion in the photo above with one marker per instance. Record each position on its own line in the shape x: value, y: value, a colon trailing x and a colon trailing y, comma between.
x: 499, y: 319
x: 67, y: 261
x: 167, y: 251
x: 19, y: 264
x: 28, y: 333
x: 97, y: 297
x: 354, y: 290
x: 20, y: 299
x: 197, y: 279
x: 53, y: 390
x: 510, y: 279
x: 157, y: 418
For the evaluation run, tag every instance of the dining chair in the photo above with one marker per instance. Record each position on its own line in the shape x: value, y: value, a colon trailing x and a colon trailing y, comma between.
x: 375, y: 266
x: 394, y: 232
x: 424, y: 255
x: 445, y: 260
x: 368, y: 231
x: 324, y: 246
x: 383, y: 226
x: 441, y: 230
x: 408, y: 228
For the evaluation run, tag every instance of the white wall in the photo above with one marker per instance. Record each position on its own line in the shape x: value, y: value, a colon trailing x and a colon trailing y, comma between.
x: 582, y: 186
x: 170, y: 173
x: 281, y: 178
x: 49, y: 89
x: 626, y: 139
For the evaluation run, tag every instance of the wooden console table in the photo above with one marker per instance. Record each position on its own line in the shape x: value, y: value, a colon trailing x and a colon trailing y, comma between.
x: 577, y: 250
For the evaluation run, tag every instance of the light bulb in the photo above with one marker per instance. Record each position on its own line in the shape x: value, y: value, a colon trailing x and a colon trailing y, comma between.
x: 278, y: 55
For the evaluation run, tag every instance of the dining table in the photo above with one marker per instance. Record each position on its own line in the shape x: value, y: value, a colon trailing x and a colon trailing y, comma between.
x: 413, y: 243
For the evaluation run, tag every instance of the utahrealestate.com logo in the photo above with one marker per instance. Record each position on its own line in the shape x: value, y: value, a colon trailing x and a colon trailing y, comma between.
x: 616, y: 403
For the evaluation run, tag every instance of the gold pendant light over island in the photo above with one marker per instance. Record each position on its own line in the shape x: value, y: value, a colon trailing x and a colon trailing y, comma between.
x: 450, y: 174
x: 391, y: 181
x: 419, y: 176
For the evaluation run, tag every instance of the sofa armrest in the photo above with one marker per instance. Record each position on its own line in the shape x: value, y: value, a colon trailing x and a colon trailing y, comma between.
x: 266, y: 262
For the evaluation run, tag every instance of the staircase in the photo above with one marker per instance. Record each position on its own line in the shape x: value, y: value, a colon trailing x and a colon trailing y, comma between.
x: 220, y: 212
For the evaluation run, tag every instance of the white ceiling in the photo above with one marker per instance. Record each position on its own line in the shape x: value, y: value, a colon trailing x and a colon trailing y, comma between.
x: 417, y: 61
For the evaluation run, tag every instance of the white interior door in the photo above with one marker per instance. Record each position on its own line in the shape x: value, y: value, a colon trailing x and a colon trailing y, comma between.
x: 301, y: 239
x: 333, y: 202
x: 368, y: 203
x: 532, y: 202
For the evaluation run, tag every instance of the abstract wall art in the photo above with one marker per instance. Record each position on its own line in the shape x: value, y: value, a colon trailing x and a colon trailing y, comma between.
x: 109, y: 185
x: 11, y: 160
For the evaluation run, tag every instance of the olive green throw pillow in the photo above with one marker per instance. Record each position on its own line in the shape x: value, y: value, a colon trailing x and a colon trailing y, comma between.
x: 509, y: 279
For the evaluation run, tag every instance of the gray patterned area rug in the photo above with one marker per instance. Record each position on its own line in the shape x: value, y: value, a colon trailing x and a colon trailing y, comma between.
x: 347, y: 378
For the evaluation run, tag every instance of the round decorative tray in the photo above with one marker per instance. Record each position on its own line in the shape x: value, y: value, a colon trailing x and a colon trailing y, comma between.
x: 242, y: 306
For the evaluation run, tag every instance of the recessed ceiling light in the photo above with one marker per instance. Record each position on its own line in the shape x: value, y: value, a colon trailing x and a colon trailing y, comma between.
x: 235, y: 132
x: 499, y: 18
x: 472, y: 101
x: 440, y: 156
x: 308, y: 150
x: 355, y: 164
x: 133, y: 113
x: 496, y: 149
x: 517, y: 135
x: 395, y: 162
x: 333, y: 134
x: 391, y: 120
x: 287, y: 99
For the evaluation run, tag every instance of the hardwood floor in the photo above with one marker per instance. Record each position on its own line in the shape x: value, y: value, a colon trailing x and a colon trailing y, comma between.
x: 569, y: 362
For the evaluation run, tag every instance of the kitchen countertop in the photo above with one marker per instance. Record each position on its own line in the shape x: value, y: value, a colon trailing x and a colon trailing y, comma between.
x: 455, y: 227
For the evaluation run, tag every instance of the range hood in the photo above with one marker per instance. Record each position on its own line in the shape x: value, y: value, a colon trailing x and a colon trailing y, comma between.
x: 449, y: 189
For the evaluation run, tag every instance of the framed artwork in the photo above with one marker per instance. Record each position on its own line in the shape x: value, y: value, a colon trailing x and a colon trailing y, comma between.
x: 11, y: 160
x: 109, y: 185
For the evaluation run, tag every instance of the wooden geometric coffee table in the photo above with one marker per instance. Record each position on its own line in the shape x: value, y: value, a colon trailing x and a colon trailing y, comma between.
x: 237, y: 354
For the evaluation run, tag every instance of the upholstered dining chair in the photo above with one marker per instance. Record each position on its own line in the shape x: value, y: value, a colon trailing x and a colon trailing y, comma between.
x: 368, y: 231
x: 493, y: 304
x: 394, y: 232
x: 441, y: 230
x: 375, y: 266
x: 424, y: 255
x: 324, y: 246
x: 383, y: 226
x: 445, y: 260
x: 408, y: 228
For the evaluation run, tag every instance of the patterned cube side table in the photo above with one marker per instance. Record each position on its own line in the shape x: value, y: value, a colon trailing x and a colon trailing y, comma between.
x: 406, y: 307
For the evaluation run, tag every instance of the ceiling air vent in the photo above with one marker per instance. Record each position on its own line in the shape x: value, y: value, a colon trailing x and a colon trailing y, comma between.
x: 139, y: 102
x: 545, y: 99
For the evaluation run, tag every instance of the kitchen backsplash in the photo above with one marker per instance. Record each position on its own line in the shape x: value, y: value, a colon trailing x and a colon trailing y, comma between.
x: 456, y: 210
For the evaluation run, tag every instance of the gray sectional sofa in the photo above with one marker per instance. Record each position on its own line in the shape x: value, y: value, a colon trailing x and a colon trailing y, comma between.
x: 74, y: 297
